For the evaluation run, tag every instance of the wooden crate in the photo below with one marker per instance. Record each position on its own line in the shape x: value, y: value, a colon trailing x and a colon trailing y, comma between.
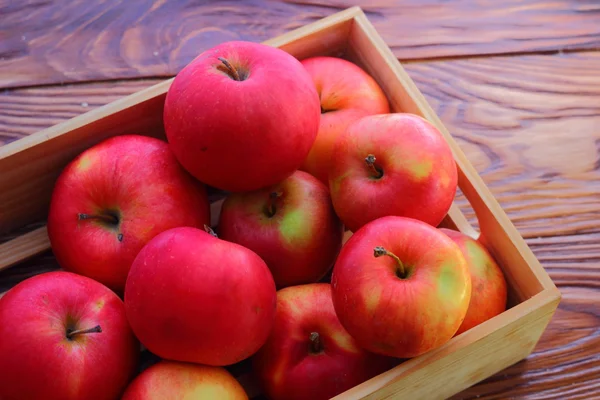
x: 29, y: 167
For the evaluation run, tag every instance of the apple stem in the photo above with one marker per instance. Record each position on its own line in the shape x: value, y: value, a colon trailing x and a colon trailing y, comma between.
x: 316, y: 346
x: 96, y: 329
x: 230, y: 69
x: 208, y: 229
x: 381, y: 251
x: 271, y: 209
x: 107, y: 218
x: 370, y: 160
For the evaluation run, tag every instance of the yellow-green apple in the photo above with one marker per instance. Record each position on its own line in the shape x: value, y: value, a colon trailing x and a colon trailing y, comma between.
x: 64, y: 336
x: 195, y: 298
x: 392, y: 164
x: 347, y: 93
x: 291, y: 225
x: 242, y: 115
x: 113, y: 198
x: 489, y: 292
x: 171, y: 380
x: 309, y: 355
x: 400, y: 287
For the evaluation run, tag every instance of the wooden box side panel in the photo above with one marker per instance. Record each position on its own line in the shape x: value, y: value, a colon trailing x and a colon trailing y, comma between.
x: 525, y: 275
x: 468, y: 358
x: 29, y: 167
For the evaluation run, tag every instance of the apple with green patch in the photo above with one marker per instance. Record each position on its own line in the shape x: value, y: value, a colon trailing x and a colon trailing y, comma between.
x: 400, y: 287
x: 290, y: 225
x: 392, y: 164
x: 347, y: 93
x: 489, y: 290
x: 64, y: 336
x: 309, y: 355
x: 170, y: 380
x: 113, y: 198
x: 242, y: 116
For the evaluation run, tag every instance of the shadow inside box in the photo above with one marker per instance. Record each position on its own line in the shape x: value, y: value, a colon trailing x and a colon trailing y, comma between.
x: 45, y: 262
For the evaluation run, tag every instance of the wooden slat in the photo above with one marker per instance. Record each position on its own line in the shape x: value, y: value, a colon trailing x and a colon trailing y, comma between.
x: 57, y: 41
x: 23, y: 247
x: 532, y: 137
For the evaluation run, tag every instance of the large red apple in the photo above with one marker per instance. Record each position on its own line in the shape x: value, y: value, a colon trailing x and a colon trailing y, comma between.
x: 489, y: 291
x: 169, y: 380
x: 242, y: 116
x: 292, y: 226
x: 309, y: 355
x: 347, y: 93
x: 113, y: 198
x: 64, y: 336
x: 400, y: 287
x: 196, y: 298
x: 392, y: 164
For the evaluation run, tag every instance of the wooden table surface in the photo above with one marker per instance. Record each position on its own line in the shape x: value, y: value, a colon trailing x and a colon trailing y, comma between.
x: 516, y: 82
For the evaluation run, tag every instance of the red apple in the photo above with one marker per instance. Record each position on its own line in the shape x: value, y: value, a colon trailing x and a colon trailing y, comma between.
x: 242, y: 116
x: 113, y: 198
x: 309, y: 355
x: 292, y: 226
x: 392, y: 164
x: 64, y: 336
x: 488, y: 297
x: 400, y: 287
x: 169, y: 380
x: 347, y: 93
x: 193, y: 297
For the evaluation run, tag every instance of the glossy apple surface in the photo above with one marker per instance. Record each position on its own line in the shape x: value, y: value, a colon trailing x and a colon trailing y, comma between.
x: 242, y: 116
x: 292, y: 226
x: 192, y: 297
x: 392, y: 164
x: 400, y: 287
x: 169, y: 380
x: 489, y: 291
x: 347, y: 93
x: 64, y: 336
x: 113, y: 198
x: 309, y: 355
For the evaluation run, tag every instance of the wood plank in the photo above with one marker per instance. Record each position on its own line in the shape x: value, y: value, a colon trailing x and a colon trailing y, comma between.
x: 531, y: 127
x: 23, y: 247
x: 53, y: 42
x: 533, y: 138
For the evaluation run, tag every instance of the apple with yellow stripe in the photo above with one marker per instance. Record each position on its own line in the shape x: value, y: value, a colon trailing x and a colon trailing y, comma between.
x: 347, y: 93
x: 64, y: 336
x: 400, y: 287
x: 489, y: 291
x: 170, y: 380
x: 392, y: 164
x: 309, y: 355
x: 290, y: 225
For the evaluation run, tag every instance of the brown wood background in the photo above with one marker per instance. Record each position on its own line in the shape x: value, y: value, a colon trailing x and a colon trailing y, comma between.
x: 517, y: 83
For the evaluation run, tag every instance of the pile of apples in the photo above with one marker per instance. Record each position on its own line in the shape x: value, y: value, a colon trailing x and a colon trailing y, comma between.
x: 303, y: 150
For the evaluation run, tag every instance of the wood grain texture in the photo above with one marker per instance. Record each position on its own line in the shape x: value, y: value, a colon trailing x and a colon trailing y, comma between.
x: 531, y: 127
x: 50, y: 42
x: 529, y: 124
